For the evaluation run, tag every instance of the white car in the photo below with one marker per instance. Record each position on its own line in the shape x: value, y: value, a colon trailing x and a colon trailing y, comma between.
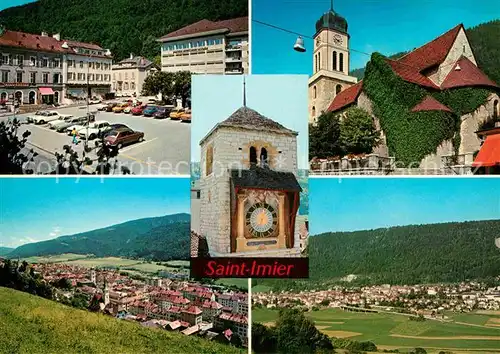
x: 59, y: 121
x: 49, y: 116
x: 94, y: 130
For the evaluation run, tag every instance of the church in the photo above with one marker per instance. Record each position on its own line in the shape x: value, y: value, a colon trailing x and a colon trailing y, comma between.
x: 439, y: 72
x: 249, y: 195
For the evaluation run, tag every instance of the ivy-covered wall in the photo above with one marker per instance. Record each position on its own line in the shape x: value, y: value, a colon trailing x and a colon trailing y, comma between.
x: 412, y: 136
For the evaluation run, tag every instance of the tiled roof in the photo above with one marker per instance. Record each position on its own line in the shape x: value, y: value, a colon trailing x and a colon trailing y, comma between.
x: 265, y: 178
x: 82, y: 45
x: 194, y: 310
x: 32, y: 41
x: 248, y: 118
x: 346, y: 97
x: 138, y: 61
x: 239, y: 24
x: 432, y: 53
x: 410, y: 74
x: 429, y: 103
x: 465, y: 73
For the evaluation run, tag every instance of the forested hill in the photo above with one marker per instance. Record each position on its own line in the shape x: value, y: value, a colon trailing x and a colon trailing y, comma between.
x: 160, y: 238
x: 448, y: 252
x: 123, y: 26
x: 5, y: 250
x: 485, y: 43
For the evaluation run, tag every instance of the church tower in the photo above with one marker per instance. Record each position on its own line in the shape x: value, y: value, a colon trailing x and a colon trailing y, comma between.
x: 330, y: 63
x: 106, y: 292
x: 93, y: 277
x: 248, y: 185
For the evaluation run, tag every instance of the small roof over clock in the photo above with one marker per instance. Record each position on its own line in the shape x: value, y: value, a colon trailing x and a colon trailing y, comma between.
x: 264, y: 178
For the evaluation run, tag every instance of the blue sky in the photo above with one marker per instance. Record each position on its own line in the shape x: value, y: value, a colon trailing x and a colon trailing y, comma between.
x: 282, y: 98
x: 350, y: 204
x: 9, y: 3
x: 36, y: 209
x: 385, y: 26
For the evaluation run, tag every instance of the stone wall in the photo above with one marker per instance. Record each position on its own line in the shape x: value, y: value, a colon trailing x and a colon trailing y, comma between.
x: 433, y: 161
x: 366, y: 104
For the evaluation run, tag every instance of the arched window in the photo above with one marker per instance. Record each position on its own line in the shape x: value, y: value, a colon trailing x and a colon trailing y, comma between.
x: 319, y: 61
x: 263, y: 157
x: 341, y: 62
x: 209, y: 161
x: 314, y: 111
x: 316, y: 63
x: 334, y: 60
x: 496, y: 109
x: 253, y: 155
x: 314, y: 92
x: 338, y: 89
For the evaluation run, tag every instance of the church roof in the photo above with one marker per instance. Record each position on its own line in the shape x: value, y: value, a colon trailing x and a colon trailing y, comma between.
x: 346, y: 97
x: 265, y: 178
x: 248, y: 118
x: 432, y: 53
x: 331, y: 20
x: 429, y: 103
x: 465, y: 73
x: 410, y: 74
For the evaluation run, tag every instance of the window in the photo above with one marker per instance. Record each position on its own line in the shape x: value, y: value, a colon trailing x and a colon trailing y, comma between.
x: 19, y: 76
x: 55, y: 78
x: 81, y: 64
x: 209, y: 159
x: 316, y: 63
x: 263, y: 157
x: 341, y: 62
x: 132, y: 85
x: 496, y: 109
x: 319, y: 61
x: 126, y: 86
x: 45, y: 62
x: 338, y: 89
x: 253, y: 155
x: 97, y: 65
x: 83, y: 77
x: 313, y: 111
x: 33, y: 77
x: 57, y: 63
x: 5, y: 76
x: 70, y: 63
x: 5, y: 59
x: 45, y: 78
x: 126, y: 76
x: 314, y: 91
x: 334, y: 60
x: 33, y: 61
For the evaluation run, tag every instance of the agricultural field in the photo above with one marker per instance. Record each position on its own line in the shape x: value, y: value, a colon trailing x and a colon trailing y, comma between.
x: 240, y: 283
x: 31, y: 324
x: 56, y: 259
x: 179, y: 263
x: 103, y: 262
x: 391, y: 331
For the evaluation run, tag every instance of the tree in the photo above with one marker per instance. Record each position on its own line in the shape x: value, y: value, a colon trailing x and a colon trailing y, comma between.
x: 236, y: 341
x: 160, y: 82
x: 182, y: 86
x: 263, y: 339
x: 358, y: 134
x: 324, y: 138
x: 13, y: 158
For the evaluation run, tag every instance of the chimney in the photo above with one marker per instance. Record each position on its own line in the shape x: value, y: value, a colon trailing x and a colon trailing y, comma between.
x: 131, y: 56
x: 45, y: 34
x: 57, y: 36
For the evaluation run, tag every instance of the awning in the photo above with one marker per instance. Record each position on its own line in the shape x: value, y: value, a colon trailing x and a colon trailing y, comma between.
x: 46, y: 91
x: 489, y: 155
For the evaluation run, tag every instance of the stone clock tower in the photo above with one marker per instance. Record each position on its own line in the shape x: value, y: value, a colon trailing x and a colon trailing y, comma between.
x: 330, y: 63
x: 249, y: 194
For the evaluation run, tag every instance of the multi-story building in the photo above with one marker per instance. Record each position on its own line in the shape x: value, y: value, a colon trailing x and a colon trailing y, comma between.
x: 39, y: 69
x: 31, y: 68
x: 129, y: 75
x: 87, y: 70
x: 207, y: 47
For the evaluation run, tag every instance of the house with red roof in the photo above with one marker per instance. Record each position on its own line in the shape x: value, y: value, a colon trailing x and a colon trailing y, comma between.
x: 442, y: 65
x: 43, y: 68
x: 207, y: 47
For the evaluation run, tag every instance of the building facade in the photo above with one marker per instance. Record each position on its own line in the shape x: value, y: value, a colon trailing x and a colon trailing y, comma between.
x: 129, y: 75
x: 207, y: 47
x: 330, y: 63
x: 38, y: 69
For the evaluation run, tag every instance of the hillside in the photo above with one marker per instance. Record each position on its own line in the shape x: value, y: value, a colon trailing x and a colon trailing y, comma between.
x: 415, y: 254
x: 160, y: 238
x: 5, y: 250
x: 121, y: 25
x: 485, y: 44
x: 31, y: 324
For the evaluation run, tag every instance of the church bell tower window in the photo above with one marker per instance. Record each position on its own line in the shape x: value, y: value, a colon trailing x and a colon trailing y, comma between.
x: 253, y: 156
x: 341, y: 62
x: 263, y: 158
x: 334, y: 60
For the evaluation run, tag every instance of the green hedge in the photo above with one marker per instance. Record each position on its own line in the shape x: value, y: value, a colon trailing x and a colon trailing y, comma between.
x: 412, y: 136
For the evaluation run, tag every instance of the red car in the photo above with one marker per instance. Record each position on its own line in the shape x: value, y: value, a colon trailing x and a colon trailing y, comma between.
x: 137, y: 111
x: 123, y: 136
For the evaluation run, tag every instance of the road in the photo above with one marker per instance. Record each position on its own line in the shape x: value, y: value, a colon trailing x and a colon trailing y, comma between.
x: 164, y: 151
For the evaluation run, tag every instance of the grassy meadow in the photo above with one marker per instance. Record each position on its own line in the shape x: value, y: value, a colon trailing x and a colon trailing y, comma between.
x: 30, y: 324
x: 467, y: 332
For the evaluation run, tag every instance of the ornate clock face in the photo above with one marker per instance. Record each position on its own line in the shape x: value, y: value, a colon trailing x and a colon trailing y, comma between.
x: 261, y: 220
x: 337, y: 39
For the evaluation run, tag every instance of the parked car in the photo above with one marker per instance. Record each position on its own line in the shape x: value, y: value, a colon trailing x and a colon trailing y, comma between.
x: 110, y: 106
x: 123, y: 136
x: 115, y: 127
x: 37, y: 115
x: 137, y: 111
x: 60, y: 119
x: 162, y: 112
x: 149, y: 111
x: 186, y: 116
x: 49, y: 116
x: 120, y: 107
x: 74, y: 121
x: 94, y: 100
x: 94, y: 130
x: 128, y: 109
x: 102, y: 106
x: 176, y: 114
